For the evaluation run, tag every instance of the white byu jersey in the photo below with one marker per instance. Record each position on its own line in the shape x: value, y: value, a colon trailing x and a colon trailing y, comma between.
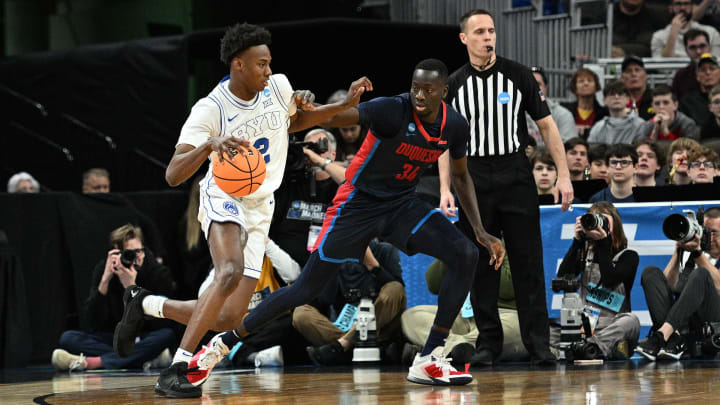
x: 263, y: 121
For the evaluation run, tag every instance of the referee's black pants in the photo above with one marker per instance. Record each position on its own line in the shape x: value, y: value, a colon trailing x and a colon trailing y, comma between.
x: 508, y: 203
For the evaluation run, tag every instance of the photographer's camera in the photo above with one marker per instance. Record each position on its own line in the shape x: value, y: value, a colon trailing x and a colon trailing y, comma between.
x: 684, y: 228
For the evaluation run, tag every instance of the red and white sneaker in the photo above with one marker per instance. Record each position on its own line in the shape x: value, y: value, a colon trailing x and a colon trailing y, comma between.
x: 202, y: 363
x: 435, y: 369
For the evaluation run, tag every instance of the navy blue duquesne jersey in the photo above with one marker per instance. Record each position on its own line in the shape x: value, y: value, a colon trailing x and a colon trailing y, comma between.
x: 399, y: 147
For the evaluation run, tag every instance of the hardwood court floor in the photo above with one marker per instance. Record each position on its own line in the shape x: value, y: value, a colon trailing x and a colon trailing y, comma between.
x: 634, y: 382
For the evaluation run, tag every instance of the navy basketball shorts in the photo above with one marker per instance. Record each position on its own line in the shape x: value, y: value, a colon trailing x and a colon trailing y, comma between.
x: 356, y: 217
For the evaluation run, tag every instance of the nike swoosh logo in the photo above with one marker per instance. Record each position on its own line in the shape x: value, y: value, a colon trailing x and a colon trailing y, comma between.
x: 133, y: 293
x: 233, y: 117
x: 442, y: 143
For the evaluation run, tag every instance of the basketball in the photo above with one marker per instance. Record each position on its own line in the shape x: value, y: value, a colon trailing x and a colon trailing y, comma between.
x: 242, y: 175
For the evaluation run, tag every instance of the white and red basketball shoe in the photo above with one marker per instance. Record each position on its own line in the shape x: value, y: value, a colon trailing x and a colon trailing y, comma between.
x: 202, y: 363
x: 435, y: 369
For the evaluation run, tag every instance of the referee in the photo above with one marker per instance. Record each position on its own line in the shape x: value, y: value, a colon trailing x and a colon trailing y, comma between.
x: 493, y: 94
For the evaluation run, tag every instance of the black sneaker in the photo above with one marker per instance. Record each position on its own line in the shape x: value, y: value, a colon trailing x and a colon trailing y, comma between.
x: 482, y: 358
x: 173, y: 383
x: 461, y: 354
x: 132, y: 320
x: 674, y: 348
x: 330, y: 354
x: 651, y: 346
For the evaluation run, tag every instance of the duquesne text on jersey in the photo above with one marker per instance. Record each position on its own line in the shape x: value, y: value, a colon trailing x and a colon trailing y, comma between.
x: 417, y: 153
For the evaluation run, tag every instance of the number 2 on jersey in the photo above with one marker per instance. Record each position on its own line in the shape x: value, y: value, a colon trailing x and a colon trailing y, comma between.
x: 409, y: 172
x: 262, y: 145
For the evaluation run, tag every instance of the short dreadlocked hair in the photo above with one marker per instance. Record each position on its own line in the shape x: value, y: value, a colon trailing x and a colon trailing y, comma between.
x: 240, y: 37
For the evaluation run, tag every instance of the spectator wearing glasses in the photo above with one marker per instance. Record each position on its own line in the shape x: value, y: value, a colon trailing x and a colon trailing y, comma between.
x: 711, y: 129
x: 697, y: 42
x: 622, y: 162
x: 668, y: 123
x: 703, y: 164
x: 92, y: 347
x: 586, y: 109
x: 695, y: 103
x: 668, y: 42
x: 562, y: 116
x: 648, y: 164
x: 619, y: 127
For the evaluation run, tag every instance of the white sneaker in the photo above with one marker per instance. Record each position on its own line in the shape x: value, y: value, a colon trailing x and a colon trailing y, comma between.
x: 272, y: 357
x: 435, y: 369
x: 202, y: 363
x: 62, y: 360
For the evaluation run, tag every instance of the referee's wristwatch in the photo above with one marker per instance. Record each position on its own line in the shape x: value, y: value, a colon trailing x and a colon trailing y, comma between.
x: 325, y: 163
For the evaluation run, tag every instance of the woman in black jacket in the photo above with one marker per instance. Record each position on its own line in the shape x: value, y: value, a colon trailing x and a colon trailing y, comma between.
x: 599, y: 255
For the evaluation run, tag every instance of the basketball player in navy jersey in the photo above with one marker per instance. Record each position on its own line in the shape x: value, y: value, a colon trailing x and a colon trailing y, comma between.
x: 407, y: 134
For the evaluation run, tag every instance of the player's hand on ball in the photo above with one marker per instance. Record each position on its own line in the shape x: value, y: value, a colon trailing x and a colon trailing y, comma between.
x: 304, y: 100
x: 225, y: 146
x: 357, y: 88
x: 494, y: 248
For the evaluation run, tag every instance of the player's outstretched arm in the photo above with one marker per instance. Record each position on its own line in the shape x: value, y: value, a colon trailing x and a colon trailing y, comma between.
x: 187, y: 158
x: 305, y: 119
x: 465, y: 189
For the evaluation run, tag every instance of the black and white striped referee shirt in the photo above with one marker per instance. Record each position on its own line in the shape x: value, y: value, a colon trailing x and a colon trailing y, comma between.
x: 494, y: 103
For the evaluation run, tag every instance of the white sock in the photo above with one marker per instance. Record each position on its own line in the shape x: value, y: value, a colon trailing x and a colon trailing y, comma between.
x: 153, y: 305
x: 182, y: 356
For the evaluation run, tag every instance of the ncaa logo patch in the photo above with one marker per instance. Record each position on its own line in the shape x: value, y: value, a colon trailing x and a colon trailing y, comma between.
x: 503, y: 98
x: 266, y: 92
x: 230, y: 207
x: 411, y: 127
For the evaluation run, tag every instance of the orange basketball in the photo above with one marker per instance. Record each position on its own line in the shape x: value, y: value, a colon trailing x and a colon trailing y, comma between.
x: 242, y: 175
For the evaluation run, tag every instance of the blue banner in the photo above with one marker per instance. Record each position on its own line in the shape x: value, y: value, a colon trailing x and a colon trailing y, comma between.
x: 642, y: 223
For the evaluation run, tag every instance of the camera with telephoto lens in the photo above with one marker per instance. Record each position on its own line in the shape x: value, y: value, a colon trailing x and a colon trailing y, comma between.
x: 128, y: 257
x: 296, y: 156
x: 683, y: 228
x: 591, y: 221
x: 572, y: 321
x: 366, y: 347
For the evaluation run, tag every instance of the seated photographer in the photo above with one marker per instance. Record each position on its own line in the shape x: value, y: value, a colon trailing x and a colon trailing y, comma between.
x: 378, y: 277
x: 689, y: 287
x: 308, y: 187
x: 127, y: 263
x: 607, y: 268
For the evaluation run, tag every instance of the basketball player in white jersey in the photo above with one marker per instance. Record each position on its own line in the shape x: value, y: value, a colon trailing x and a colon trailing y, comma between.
x: 249, y: 107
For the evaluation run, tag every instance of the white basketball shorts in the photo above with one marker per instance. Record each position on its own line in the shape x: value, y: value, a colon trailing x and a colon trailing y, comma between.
x: 254, y: 215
